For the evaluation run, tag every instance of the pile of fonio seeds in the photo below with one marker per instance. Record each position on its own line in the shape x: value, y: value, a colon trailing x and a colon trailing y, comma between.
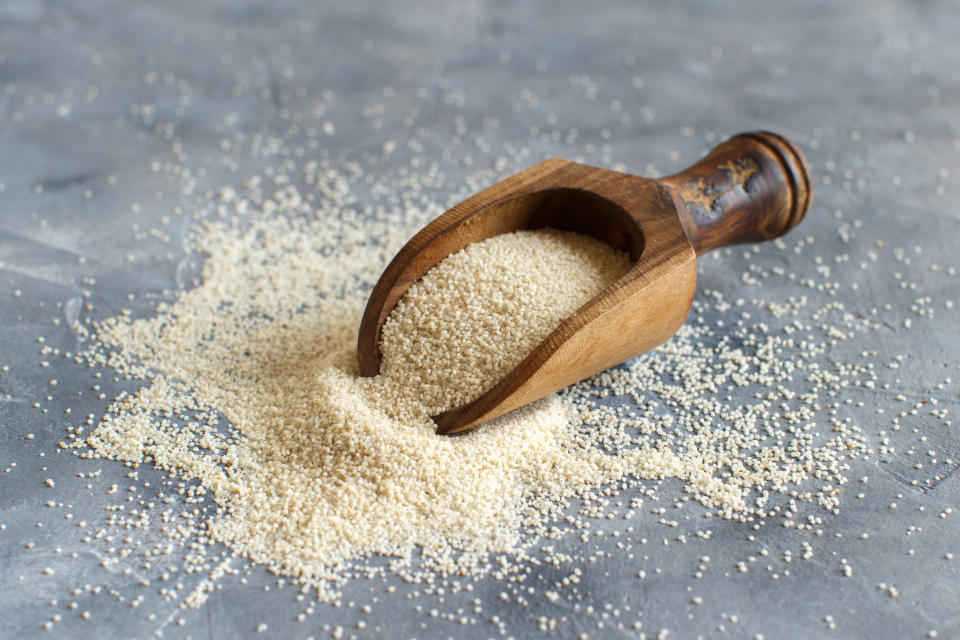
x: 251, y: 389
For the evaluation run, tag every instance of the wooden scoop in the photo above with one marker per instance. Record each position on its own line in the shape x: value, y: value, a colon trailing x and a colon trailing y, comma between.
x: 753, y: 187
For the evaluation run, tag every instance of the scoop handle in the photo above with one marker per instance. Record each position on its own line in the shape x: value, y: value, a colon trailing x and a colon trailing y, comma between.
x: 753, y: 187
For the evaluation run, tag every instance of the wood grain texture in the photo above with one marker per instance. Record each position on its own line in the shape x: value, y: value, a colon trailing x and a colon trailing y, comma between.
x: 752, y: 187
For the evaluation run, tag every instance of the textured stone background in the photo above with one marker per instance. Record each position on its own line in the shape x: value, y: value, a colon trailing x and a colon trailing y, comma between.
x: 870, y: 89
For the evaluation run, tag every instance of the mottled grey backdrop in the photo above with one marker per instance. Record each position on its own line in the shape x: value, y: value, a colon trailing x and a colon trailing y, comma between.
x: 99, y: 99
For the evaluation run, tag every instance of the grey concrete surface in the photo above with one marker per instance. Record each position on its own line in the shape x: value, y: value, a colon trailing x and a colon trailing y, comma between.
x: 95, y: 96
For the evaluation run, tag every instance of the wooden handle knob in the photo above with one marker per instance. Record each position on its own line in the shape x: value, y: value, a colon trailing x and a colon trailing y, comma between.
x: 753, y: 187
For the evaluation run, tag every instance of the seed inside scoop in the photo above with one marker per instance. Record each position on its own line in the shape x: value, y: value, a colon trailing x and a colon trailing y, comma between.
x: 477, y: 314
